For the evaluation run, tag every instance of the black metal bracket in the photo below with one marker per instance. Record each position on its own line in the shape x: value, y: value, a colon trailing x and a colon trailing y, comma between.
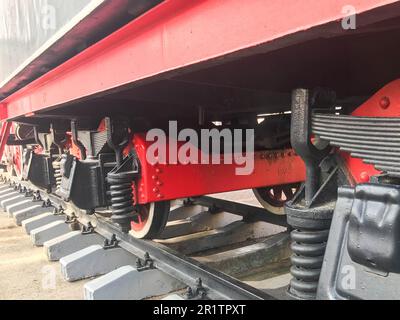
x: 89, y: 229
x: 302, y: 103
x: 70, y: 219
x: 74, y: 133
x: 58, y: 211
x: 46, y: 203
x: 117, y: 136
x: 36, y: 136
x: 58, y: 137
x: 36, y: 196
x: 112, y: 243
x: 198, y: 292
x: 28, y: 193
x: 83, y: 182
x: 146, y: 264
x: 39, y: 171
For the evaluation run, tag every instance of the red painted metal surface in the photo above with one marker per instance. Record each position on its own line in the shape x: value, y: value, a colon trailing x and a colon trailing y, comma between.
x: 13, y: 154
x: 173, y: 181
x: 175, y: 35
x: 3, y: 111
x: 17, y: 159
x: 384, y: 103
x: 4, y: 134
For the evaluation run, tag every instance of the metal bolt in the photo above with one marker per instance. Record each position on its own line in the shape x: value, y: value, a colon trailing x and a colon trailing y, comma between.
x: 113, y: 238
x: 59, y: 210
x: 364, y: 177
x: 189, y: 292
x: 384, y: 103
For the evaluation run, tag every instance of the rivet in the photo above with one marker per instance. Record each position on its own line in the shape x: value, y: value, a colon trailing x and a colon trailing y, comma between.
x: 364, y: 177
x: 384, y: 103
x: 155, y: 190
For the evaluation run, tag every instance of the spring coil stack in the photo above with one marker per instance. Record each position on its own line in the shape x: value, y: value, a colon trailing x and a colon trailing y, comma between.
x: 120, y: 192
x: 57, y: 172
x: 308, y: 247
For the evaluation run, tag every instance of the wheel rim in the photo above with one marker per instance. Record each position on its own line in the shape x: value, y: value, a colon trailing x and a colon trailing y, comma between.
x: 274, y: 198
x: 143, y: 218
x: 151, y: 220
x: 278, y: 195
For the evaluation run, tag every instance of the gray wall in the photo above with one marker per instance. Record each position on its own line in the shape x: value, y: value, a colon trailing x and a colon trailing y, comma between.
x: 25, y: 25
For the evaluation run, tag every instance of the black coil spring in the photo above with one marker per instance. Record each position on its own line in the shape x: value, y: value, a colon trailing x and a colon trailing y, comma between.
x: 120, y: 192
x: 57, y: 173
x: 308, y: 247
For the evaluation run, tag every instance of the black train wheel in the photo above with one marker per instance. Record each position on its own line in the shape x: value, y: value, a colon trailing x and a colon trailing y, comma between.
x: 152, y: 219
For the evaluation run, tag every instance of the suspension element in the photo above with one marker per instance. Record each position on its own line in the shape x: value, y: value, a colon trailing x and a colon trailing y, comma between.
x: 120, y: 184
x: 309, y: 239
x: 310, y: 212
x: 121, y: 177
x: 57, y: 172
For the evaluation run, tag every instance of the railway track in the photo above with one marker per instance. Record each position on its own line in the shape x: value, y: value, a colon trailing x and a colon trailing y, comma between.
x: 204, y: 252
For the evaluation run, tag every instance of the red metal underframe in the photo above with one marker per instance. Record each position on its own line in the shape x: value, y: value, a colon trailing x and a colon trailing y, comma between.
x: 384, y: 103
x: 172, y: 36
x: 165, y: 182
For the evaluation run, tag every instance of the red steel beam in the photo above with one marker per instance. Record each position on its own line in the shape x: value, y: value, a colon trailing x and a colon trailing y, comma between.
x: 172, y: 36
x: 174, y: 181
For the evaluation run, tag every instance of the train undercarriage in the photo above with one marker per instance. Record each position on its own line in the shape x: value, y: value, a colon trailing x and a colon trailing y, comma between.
x: 314, y: 162
x: 310, y: 125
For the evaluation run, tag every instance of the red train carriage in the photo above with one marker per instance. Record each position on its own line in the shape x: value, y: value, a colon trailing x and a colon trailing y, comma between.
x: 83, y: 129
